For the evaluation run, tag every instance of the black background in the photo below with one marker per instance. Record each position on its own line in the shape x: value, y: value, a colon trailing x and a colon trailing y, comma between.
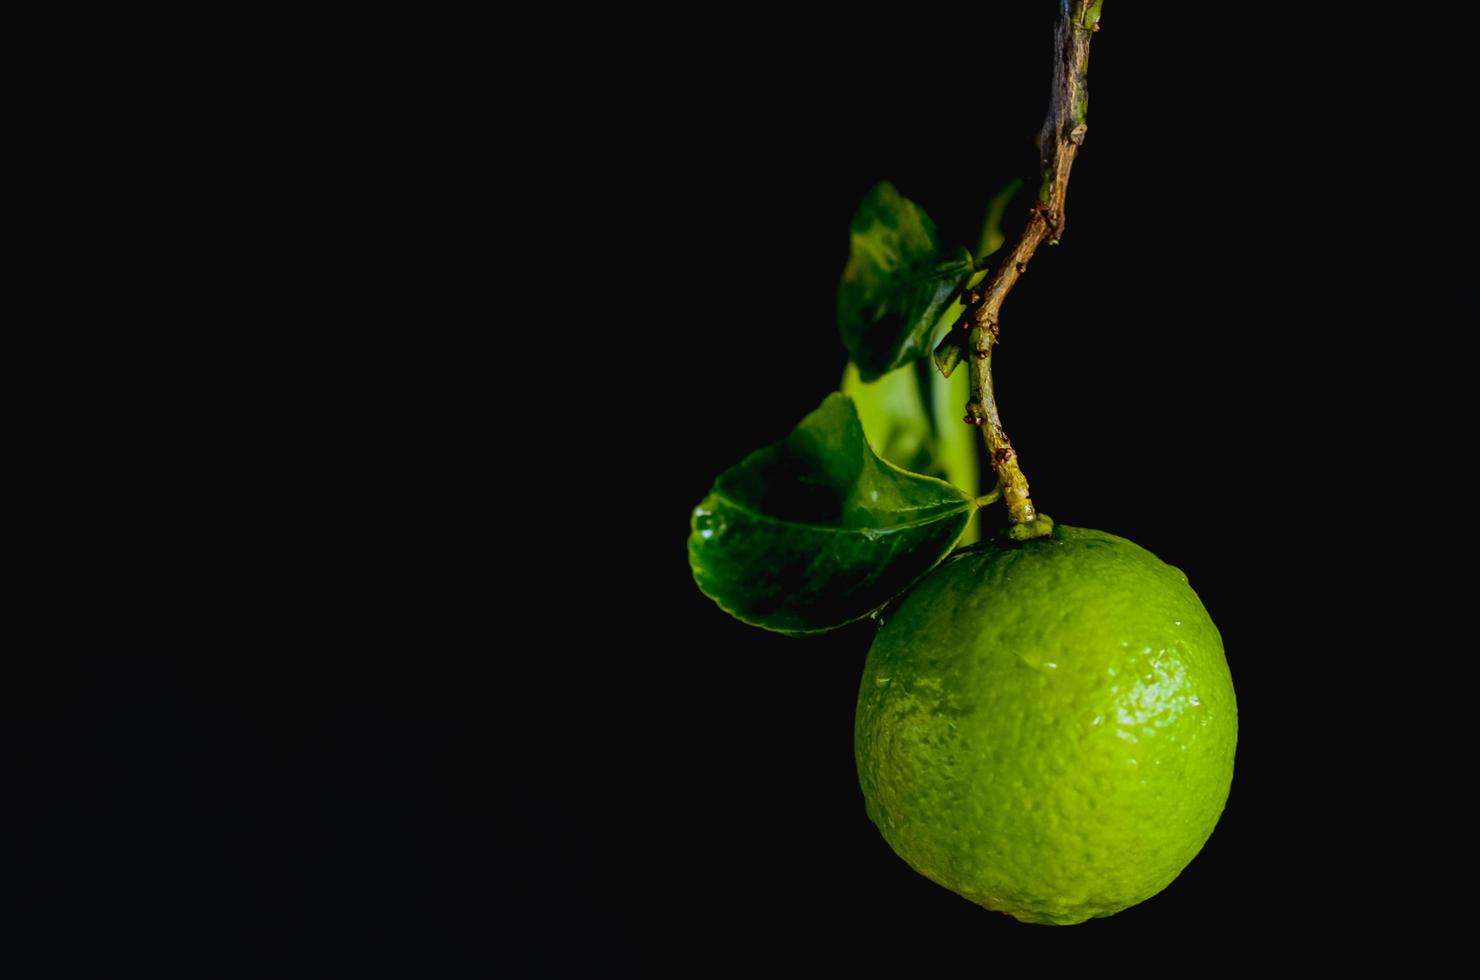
x: 414, y: 679
x: 1217, y: 363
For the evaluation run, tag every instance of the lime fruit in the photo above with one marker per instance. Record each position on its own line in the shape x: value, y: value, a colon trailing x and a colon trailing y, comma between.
x: 1047, y: 728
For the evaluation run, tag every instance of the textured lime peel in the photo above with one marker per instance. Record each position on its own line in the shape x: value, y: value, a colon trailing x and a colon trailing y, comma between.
x: 1047, y: 728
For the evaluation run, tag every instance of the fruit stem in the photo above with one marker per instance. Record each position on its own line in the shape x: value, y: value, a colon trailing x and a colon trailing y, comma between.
x: 976, y: 331
x: 982, y: 410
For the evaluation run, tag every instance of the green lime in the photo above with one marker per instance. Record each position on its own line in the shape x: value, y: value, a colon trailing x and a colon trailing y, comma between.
x: 1047, y: 728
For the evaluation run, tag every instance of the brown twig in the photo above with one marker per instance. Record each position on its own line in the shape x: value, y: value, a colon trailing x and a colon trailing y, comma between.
x: 1058, y: 143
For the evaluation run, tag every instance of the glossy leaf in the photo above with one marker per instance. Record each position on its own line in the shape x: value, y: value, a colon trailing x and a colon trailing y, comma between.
x: 816, y: 531
x: 912, y: 418
x: 897, y: 285
x: 895, y: 420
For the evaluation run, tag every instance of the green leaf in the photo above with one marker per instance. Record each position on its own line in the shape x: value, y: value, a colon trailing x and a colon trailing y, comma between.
x: 816, y: 531
x: 919, y: 432
x: 897, y: 283
x: 894, y: 420
x: 956, y: 442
